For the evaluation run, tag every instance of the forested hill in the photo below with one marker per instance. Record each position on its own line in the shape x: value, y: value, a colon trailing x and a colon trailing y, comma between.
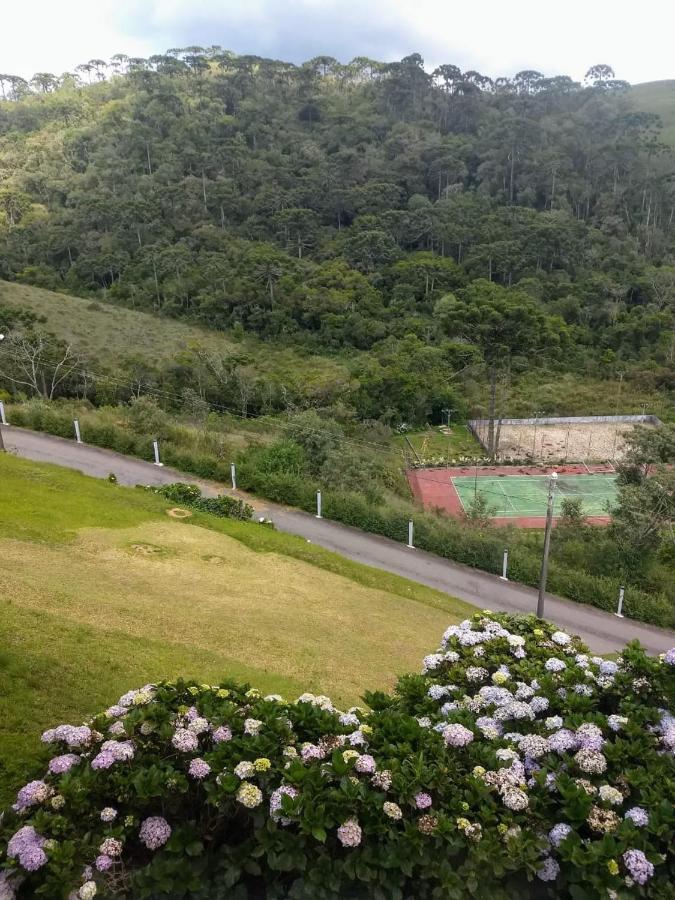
x: 352, y: 206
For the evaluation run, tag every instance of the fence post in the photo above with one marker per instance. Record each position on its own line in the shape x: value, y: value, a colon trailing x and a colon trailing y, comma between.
x: 233, y: 475
x: 410, y: 544
x: 318, y: 505
x: 505, y: 565
x: 3, y: 420
x: 78, y: 436
x: 155, y: 447
x: 620, y: 606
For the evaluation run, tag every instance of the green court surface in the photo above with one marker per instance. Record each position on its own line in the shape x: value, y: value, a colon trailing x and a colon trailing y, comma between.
x: 512, y: 496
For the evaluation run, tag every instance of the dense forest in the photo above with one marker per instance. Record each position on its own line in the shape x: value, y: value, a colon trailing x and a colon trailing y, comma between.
x: 451, y: 226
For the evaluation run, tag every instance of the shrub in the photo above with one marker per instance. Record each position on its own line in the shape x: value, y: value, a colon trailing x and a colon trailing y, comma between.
x: 507, y: 769
x: 190, y: 495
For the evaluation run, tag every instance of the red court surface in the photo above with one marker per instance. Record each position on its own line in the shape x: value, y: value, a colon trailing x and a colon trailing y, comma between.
x: 434, y: 488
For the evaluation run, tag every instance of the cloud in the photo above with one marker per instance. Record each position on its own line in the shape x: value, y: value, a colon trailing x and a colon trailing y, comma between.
x: 494, y: 37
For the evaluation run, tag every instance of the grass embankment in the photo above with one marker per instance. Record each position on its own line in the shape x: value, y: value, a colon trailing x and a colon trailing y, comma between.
x: 434, y: 443
x: 103, y: 591
x: 108, y: 333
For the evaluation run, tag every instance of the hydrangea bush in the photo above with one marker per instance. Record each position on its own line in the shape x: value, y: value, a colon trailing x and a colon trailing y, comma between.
x: 515, y: 765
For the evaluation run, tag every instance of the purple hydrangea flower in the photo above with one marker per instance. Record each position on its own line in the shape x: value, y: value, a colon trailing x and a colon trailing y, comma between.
x: 365, y: 764
x: 30, y: 794
x: 33, y: 858
x: 103, y: 760
x: 276, y: 801
x: 639, y: 867
x: 60, y: 764
x: 184, y: 740
x: 103, y: 862
x: 457, y: 735
x: 669, y: 657
x: 155, y: 832
x: 562, y: 741
x: 558, y: 833
x: 423, y: 800
x: 549, y: 870
x: 199, y: 769
x: 221, y: 734
x: 638, y: 816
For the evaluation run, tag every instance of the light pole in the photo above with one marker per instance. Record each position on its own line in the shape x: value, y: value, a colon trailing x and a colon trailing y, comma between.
x: 552, y: 483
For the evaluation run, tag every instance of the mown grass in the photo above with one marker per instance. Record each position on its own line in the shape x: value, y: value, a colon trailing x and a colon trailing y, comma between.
x: 103, y: 591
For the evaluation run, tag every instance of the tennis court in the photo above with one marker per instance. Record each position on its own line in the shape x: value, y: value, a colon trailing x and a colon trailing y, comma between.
x: 523, y: 496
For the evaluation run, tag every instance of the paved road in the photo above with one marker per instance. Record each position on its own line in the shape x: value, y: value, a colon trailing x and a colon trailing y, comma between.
x: 602, y: 631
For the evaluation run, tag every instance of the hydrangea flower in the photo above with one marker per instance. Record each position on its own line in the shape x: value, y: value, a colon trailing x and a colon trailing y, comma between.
x: 392, y: 810
x: 560, y: 638
x: 249, y: 795
x: 553, y: 722
x: 184, y: 740
x: 616, y: 723
x: 199, y: 769
x: 609, y: 794
x: 108, y: 814
x: 111, y: 847
x: 349, y: 720
x: 103, y: 863
x: 365, y: 764
x: 349, y: 833
x: 591, y: 761
x: 286, y: 790
x: 456, y: 735
x: 252, y: 726
x: 381, y: 780
x: 553, y: 664
x: 669, y: 657
x: 432, y: 661
x: 244, y: 769
x: 198, y: 725
x: 26, y: 845
x: 423, y: 800
x: 558, y: 833
x: 562, y: 741
x: 638, y: 816
x: 31, y: 794
x: 60, y: 764
x: 155, y: 831
x: 514, y: 798
x: 221, y: 734
x: 436, y: 691
x: 549, y: 870
x: 88, y: 891
x: 639, y: 867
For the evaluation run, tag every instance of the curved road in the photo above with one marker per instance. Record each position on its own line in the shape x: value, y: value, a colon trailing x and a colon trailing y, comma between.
x: 603, y: 631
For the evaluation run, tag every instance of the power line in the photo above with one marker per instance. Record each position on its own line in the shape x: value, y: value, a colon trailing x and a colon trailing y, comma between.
x: 167, y: 395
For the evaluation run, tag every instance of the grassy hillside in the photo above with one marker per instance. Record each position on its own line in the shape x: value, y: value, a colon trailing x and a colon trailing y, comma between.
x: 103, y: 591
x: 658, y: 97
x: 107, y: 333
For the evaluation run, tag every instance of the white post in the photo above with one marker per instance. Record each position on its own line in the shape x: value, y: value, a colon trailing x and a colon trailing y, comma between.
x: 410, y: 545
x: 155, y: 447
x: 318, y: 505
x: 505, y: 565
x: 3, y: 420
x: 78, y: 436
x: 233, y: 475
x: 620, y: 606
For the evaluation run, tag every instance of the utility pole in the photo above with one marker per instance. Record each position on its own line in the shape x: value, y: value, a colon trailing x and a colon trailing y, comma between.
x: 552, y: 483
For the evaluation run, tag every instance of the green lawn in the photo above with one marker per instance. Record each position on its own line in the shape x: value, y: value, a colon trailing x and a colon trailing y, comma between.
x: 432, y: 442
x: 527, y: 495
x: 103, y: 591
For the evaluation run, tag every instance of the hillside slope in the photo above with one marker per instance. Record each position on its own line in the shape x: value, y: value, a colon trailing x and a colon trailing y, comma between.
x: 107, y: 333
x: 657, y: 97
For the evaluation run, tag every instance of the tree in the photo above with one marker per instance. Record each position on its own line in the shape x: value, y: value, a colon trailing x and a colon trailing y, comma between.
x: 508, y: 326
x: 37, y: 362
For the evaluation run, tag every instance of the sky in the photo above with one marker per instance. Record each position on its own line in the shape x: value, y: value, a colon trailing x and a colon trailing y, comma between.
x: 494, y: 37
